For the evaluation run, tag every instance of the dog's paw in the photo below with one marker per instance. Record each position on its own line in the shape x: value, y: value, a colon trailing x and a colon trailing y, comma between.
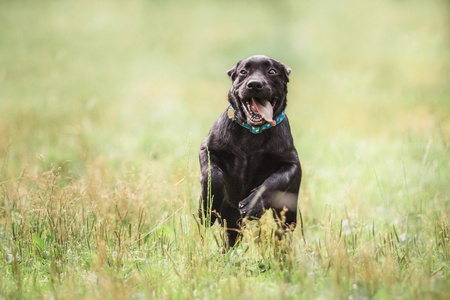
x: 251, y: 206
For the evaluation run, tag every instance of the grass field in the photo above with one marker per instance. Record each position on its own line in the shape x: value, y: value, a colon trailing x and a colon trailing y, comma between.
x: 103, y: 105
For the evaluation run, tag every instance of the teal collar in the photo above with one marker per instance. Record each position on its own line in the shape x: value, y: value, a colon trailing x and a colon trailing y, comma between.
x: 257, y: 130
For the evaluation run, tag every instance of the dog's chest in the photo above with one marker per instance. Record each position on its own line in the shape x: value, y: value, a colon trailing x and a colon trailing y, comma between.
x: 251, y: 155
x: 245, y: 171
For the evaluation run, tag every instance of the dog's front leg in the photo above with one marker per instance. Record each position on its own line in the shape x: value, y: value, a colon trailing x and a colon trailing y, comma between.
x: 278, y: 191
x: 212, y: 182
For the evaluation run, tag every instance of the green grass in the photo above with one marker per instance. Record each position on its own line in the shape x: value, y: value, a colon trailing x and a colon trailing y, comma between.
x: 103, y: 108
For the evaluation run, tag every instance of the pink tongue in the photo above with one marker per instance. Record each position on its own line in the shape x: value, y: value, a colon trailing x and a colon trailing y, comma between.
x: 265, y: 109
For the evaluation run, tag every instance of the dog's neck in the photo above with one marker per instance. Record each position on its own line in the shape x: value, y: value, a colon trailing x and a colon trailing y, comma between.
x: 253, y: 129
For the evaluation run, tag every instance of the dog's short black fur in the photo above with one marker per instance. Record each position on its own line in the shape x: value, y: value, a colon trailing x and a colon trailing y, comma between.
x: 242, y: 173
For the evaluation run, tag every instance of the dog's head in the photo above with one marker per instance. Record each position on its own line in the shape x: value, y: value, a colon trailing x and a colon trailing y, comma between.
x: 259, y: 89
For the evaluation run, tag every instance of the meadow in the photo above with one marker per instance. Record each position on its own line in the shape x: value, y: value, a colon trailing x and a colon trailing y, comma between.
x: 103, y: 105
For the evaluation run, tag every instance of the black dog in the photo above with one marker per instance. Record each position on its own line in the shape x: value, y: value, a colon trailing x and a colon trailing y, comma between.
x: 248, y: 161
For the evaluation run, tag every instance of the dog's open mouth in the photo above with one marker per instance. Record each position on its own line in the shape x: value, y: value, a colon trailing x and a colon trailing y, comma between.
x: 259, y: 111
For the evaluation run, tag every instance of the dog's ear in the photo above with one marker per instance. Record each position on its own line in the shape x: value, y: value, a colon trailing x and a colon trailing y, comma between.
x: 232, y: 72
x: 286, y: 71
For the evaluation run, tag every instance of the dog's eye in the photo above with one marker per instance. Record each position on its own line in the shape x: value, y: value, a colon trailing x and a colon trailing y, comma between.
x: 272, y: 72
x: 243, y: 72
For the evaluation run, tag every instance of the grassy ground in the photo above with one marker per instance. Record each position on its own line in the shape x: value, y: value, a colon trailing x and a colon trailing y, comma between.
x: 104, y: 105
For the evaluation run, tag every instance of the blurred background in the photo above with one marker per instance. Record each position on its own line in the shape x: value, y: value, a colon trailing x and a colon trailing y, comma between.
x: 139, y: 83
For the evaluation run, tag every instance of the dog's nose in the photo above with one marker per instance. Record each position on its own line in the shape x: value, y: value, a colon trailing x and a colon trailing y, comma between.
x: 255, y: 84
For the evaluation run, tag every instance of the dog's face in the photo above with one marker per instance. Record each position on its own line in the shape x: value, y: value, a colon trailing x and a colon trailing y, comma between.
x: 259, y: 89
